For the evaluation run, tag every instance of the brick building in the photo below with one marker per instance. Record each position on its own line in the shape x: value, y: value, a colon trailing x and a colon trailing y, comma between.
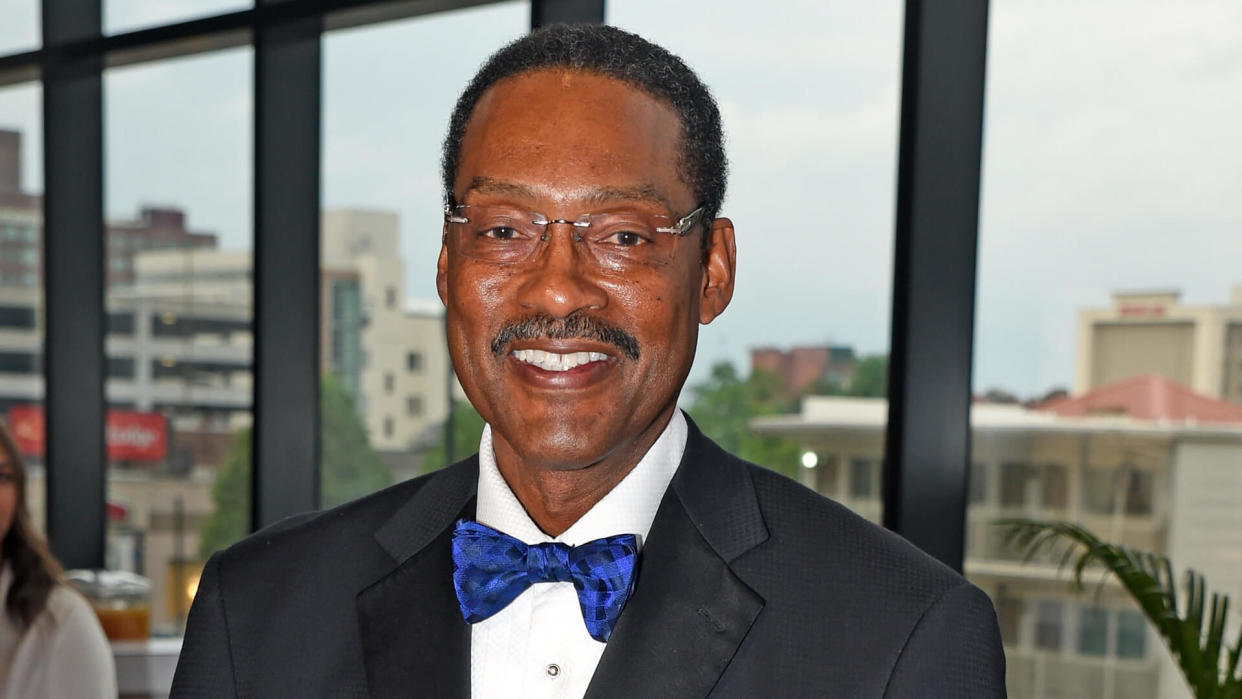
x: 800, y: 367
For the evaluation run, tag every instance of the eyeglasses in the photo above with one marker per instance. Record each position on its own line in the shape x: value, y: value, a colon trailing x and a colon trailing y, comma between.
x: 615, y: 241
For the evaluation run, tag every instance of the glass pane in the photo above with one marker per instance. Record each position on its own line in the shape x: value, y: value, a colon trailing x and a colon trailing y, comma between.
x: 1110, y: 307
x: 21, y: 28
x: 121, y: 16
x: 809, y: 101
x: 21, y: 285
x: 387, y: 376
x: 1131, y: 635
x: 1049, y: 624
x: 1015, y: 480
x: 978, y: 482
x: 1055, y: 486
x: 1092, y: 631
x: 178, y: 179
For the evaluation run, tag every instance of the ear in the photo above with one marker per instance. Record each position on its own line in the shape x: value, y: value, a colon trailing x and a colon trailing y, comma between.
x: 719, y: 266
x: 442, y: 272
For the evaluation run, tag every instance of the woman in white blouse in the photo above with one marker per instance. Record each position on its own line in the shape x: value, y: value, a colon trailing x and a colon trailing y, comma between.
x: 51, y: 645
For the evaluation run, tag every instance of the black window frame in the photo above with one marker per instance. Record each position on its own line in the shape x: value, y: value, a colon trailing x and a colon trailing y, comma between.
x: 927, y: 450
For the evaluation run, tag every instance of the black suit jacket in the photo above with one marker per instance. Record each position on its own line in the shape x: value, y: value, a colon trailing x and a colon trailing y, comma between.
x: 749, y: 585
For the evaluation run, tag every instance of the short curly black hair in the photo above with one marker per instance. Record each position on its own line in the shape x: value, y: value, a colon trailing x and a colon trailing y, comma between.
x: 623, y: 56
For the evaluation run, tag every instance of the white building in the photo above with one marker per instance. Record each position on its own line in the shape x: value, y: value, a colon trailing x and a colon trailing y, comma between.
x: 404, y: 365
x: 1143, y: 462
x: 1153, y: 332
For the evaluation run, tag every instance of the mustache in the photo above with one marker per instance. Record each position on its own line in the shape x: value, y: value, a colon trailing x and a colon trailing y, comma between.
x: 576, y: 325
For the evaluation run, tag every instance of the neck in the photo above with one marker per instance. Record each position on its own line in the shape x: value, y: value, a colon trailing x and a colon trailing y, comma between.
x: 554, y: 495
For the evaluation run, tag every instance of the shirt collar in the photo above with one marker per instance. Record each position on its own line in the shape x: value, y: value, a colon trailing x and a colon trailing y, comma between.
x: 629, y: 508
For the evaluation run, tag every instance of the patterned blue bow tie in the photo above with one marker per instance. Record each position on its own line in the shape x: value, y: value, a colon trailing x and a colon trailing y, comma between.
x: 491, y: 569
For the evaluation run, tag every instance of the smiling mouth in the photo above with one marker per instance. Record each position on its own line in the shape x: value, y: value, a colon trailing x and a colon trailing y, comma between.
x: 553, y: 361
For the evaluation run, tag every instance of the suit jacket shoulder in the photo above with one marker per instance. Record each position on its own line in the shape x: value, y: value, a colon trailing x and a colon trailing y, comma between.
x: 275, y: 613
x: 851, y: 606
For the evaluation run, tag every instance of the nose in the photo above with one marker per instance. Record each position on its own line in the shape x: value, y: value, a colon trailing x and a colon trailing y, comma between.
x: 559, y: 282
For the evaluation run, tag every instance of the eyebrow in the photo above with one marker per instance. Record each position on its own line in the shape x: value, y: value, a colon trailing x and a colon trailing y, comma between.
x: 646, y: 192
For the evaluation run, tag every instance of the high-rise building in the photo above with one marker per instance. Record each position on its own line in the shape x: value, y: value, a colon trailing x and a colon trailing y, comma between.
x: 1153, y: 332
x: 400, y: 363
x: 21, y: 229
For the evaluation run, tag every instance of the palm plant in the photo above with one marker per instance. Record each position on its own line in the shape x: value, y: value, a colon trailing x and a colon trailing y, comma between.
x: 1193, y: 630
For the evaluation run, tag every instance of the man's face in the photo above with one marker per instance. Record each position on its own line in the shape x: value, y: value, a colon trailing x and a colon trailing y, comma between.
x: 565, y: 143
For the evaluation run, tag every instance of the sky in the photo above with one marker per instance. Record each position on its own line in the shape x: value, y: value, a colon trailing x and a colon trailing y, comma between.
x: 1111, y: 156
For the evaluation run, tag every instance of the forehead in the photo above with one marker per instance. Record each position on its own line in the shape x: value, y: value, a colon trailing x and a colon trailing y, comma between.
x: 564, y: 134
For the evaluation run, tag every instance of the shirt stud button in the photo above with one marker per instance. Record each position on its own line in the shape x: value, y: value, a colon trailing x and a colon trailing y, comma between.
x: 553, y: 670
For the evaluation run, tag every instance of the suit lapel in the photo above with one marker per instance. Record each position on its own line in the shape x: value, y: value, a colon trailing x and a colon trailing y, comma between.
x: 414, y: 641
x: 689, y: 612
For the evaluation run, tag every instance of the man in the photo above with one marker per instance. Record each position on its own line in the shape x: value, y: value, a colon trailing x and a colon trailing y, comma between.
x: 598, y: 544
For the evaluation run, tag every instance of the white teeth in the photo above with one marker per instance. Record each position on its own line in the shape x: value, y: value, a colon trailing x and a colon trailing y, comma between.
x: 551, y: 361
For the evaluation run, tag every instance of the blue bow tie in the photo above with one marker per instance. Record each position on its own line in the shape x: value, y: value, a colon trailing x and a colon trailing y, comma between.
x: 491, y: 569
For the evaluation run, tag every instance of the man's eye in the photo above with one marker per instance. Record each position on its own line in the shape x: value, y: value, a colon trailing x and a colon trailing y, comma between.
x: 501, y: 233
x: 626, y: 239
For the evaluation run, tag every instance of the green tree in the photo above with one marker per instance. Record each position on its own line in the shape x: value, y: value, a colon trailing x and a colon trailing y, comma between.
x: 870, y: 378
x: 824, y: 386
x: 231, y: 494
x: 467, y: 430
x: 723, y: 406
x: 349, y: 468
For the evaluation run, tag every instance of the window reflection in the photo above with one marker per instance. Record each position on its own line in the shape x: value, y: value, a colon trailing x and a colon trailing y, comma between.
x: 180, y: 343
x: 1103, y: 362
x: 809, y: 103
x: 21, y: 277
x: 385, y: 348
x: 121, y: 16
x: 20, y: 30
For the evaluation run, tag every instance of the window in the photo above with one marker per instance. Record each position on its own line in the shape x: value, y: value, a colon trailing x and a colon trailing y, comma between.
x: 978, y: 483
x: 1049, y: 624
x: 1009, y: 612
x: 827, y: 475
x: 1098, y: 491
x: 21, y: 27
x: 1055, y: 486
x: 15, y: 316
x: 1104, y: 488
x: 178, y: 132
x: 1092, y: 631
x: 1131, y: 634
x: 381, y: 157
x: 121, y: 16
x: 1014, y: 480
x: 1138, y: 492
x: 21, y: 300
x: 1106, y: 281
x: 816, y: 128
x: 862, y: 479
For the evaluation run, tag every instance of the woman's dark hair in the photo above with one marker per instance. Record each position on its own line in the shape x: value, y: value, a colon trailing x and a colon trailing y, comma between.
x: 35, y: 570
x: 620, y: 55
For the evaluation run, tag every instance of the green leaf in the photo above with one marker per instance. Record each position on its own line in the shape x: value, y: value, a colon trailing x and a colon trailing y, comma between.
x: 1194, y: 635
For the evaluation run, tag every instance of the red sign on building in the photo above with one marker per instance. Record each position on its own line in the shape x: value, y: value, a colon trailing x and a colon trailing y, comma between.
x: 130, y: 436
